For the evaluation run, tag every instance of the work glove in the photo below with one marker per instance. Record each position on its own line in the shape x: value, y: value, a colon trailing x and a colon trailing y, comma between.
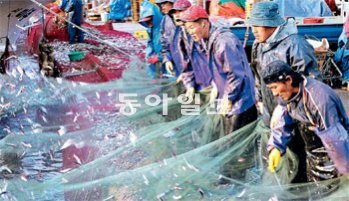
x: 260, y: 107
x: 226, y: 106
x: 274, y: 160
x: 153, y: 59
x: 169, y: 68
x: 213, y: 95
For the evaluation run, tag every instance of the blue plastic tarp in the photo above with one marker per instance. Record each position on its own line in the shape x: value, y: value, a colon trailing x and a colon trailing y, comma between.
x: 303, y: 8
x: 119, y: 9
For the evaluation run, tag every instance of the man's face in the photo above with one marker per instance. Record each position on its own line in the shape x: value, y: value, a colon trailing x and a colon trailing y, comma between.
x: 196, y: 30
x: 262, y: 33
x: 284, y: 90
x: 176, y: 15
x: 166, y: 7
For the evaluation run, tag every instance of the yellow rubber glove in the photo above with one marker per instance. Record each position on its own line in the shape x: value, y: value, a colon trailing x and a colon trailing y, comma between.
x: 274, y: 160
x: 169, y: 68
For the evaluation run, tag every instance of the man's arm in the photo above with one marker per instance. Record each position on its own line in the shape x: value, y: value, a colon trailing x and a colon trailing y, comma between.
x: 282, y: 126
x: 70, y: 6
x: 165, y: 40
x: 257, y: 78
x: 231, y: 56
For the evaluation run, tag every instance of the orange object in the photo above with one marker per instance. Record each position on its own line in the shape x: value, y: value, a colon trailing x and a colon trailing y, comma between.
x: 229, y: 9
x: 313, y: 20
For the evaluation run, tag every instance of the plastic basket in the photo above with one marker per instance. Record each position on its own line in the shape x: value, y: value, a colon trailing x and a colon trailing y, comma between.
x: 76, y: 56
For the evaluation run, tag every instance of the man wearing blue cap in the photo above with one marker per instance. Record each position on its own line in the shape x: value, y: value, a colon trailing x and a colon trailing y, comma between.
x: 151, y: 17
x: 277, y: 39
x: 314, y: 105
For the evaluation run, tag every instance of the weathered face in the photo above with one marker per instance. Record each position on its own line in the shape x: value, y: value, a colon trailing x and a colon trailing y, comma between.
x: 166, y: 7
x: 262, y: 33
x: 284, y: 90
x: 196, y: 30
x: 176, y: 15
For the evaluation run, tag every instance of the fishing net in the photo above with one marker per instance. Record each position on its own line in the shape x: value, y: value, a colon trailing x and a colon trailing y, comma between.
x: 134, y: 138
x: 71, y: 141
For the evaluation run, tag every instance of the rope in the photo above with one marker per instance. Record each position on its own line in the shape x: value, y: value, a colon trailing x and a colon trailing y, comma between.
x: 248, y: 6
x: 8, y: 17
x: 82, y: 29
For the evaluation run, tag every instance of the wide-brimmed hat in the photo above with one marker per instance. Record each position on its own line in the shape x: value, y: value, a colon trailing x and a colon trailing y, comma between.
x: 193, y: 13
x: 180, y: 5
x: 265, y: 14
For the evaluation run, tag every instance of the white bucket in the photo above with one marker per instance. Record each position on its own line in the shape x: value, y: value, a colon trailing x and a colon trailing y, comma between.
x: 104, y: 17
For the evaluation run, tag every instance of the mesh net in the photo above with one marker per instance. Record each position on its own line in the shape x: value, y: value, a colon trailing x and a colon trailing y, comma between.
x: 63, y: 140
x: 70, y: 141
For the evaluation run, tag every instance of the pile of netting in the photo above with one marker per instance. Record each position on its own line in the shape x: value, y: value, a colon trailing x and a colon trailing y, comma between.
x: 122, y: 140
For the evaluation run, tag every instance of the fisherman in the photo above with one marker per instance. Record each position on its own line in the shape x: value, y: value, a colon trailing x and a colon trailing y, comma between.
x: 195, y: 74
x: 151, y: 17
x: 229, y: 68
x: 168, y: 29
x: 277, y: 39
x: 311, y: 103
x: 75, y: 11
x: 231, y: 76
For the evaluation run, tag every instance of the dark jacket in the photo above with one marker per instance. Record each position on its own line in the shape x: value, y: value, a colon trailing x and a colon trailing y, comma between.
x: 148, y: 9
x: 316, y: 105
x: 230, y: 69
x: 174, y: 44
x: 197, y: 73
x: 74, y: 8
x: 289, y: 47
